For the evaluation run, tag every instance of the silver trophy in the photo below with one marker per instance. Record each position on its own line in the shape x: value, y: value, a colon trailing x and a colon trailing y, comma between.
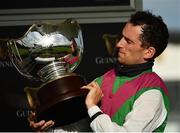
x: 48, y: 54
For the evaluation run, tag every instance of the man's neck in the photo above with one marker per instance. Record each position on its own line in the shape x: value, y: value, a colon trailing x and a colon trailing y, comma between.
x: 132, y: 70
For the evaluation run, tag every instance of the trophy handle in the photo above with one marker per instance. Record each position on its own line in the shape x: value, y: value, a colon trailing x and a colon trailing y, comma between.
x: 32, y: 97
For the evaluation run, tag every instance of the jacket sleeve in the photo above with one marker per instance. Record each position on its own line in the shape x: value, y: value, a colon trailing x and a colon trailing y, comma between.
x: 147, y: 114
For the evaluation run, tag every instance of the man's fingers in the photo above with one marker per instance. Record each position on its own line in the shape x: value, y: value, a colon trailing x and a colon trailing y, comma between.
x: 90, y: 86
x: 86, y: 87
x: 47, y: 125
x: 37, y: 124
x: 96, y: 84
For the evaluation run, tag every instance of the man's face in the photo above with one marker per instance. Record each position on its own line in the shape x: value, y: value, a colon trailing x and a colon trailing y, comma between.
x: 129, y: 47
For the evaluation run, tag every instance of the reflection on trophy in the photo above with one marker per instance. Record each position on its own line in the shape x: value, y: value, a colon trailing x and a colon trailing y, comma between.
x: 49, y: 53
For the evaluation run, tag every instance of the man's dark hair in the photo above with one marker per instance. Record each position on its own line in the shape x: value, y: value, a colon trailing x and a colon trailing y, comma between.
x: 154, y: 30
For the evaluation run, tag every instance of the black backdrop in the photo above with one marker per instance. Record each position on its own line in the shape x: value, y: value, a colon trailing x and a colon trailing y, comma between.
x: 96, y: 60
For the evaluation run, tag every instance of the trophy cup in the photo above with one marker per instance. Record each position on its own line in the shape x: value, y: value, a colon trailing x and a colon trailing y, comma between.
x: 48, y: 54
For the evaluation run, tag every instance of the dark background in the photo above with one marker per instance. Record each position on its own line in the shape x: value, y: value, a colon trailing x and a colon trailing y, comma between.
x: 19, y: 4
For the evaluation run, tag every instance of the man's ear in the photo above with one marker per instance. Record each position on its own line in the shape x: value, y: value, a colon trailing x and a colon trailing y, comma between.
x: 149, y: 52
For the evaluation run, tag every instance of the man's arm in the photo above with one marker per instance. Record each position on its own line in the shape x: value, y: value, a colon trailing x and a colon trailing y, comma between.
x: 148, y: 113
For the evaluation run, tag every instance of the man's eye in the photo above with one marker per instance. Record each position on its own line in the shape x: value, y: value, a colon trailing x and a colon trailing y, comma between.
x: 128, y: 41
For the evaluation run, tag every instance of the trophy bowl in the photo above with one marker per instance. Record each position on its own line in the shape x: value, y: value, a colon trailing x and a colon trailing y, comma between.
x: 48, y: 53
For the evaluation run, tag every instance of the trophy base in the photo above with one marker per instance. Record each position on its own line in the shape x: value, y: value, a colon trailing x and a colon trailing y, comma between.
x: 65, y: 112
x: 61, y: 100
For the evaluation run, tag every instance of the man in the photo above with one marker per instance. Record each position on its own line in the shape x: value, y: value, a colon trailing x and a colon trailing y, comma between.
x: 131, y: 96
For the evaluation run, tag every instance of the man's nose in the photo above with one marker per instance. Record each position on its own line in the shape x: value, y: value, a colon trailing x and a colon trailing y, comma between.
x: 120, y: 43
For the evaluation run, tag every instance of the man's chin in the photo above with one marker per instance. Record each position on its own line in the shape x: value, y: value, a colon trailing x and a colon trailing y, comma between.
x: 120, y: 61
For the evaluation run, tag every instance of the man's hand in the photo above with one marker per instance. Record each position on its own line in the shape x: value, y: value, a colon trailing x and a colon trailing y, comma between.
x: 40, y: 126
x: 95, y: 94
